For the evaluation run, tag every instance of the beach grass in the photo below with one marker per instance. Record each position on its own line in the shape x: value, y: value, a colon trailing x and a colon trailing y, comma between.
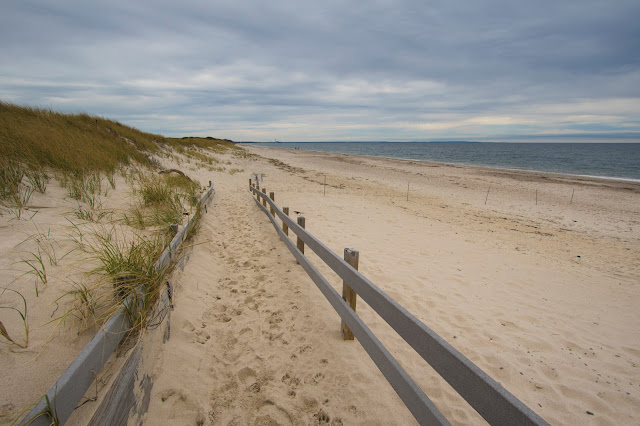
x: 84, y: 154
x: 42, y: 138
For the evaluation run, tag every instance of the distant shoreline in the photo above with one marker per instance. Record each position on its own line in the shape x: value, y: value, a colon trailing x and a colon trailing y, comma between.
x: 624, y: 175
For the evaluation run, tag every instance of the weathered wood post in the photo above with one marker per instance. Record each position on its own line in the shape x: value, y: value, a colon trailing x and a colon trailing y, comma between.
x: 264, y: 197
x: 285, y: 228
x: 300, y: 242
x: 250, y: 183
x: 272, y: 195
x: 257, y: 184
x: 209, y: 184
x: 351, y: 256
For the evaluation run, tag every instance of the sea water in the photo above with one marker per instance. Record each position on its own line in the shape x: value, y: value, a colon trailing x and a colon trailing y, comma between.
x: 610, y: 160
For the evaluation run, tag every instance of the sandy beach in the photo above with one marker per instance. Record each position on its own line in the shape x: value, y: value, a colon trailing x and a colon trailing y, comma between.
x: 541, y: 296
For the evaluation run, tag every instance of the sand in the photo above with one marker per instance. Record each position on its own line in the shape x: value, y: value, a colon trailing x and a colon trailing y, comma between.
x: 540, y: 296
x: 48, y: 230
x: 43, y: 230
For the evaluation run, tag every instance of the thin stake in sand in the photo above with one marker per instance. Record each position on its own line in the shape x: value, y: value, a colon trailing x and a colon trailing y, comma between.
x: 407, y: 191
x: 325, y: 185
x: 487, y: 197
x: 572, y: 192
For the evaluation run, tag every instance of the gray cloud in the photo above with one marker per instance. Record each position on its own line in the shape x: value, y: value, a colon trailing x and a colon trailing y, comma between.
x: 391, y: 70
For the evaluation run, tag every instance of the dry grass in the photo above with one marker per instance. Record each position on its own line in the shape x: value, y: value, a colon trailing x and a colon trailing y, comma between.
x: 80, y: 151
x: 72, y: 143
x: 210, y: 144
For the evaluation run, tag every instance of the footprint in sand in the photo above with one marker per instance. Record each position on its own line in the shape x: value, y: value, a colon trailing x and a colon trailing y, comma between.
x: 249, y: 302
x: 223, y: 318
x: 290, y: 381
x: 245, y: 335
x: 173, y: 397
x: 187, y: 326
x: 305, y: 349
x: 275, y: 318
x: 271, y: 414
x: 248, y: 378
x: 314, y: 379
x: 321, y: 418
x: 272, y: 337
x: 202, y: 337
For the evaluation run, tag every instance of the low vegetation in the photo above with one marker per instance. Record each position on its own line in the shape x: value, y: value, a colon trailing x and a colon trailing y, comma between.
x: 85, y: 154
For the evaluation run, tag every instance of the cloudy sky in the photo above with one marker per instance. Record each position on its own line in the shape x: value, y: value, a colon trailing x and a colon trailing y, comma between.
x: 332, y: 70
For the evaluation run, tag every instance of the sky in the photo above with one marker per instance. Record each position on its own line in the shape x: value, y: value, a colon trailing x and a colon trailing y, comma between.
x: 293, y: 70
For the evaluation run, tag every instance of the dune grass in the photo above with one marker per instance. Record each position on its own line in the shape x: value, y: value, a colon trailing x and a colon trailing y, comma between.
x: 23, y: 316
x: 70, y: 142
x: 127, y: 250
x: 80, y: 151
x: 74, y: 143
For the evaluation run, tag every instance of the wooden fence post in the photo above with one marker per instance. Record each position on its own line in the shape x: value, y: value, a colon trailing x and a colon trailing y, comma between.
x: 272, y: 195
x: 300, y: 242
x: 264, y: 197
x: 250, y: 183
x: 351, y: 256
x: 285, y: 228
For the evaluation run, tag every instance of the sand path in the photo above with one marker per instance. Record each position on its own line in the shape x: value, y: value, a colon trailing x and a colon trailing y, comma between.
x: 253, y: 340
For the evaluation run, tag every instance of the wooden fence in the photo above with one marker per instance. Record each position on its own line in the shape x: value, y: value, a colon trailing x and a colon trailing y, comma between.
x: 493, y: 402
x: 63, y: 397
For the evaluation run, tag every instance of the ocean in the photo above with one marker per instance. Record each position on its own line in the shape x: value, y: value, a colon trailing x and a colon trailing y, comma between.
x: 608, y: 160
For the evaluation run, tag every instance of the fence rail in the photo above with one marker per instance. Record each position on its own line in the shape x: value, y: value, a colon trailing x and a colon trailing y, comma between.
x: 62, y: 398
x: 492, y: 401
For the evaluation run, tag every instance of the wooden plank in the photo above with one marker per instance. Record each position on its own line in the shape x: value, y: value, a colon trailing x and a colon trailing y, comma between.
x: 120, y: 398
x: 69, y: 389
